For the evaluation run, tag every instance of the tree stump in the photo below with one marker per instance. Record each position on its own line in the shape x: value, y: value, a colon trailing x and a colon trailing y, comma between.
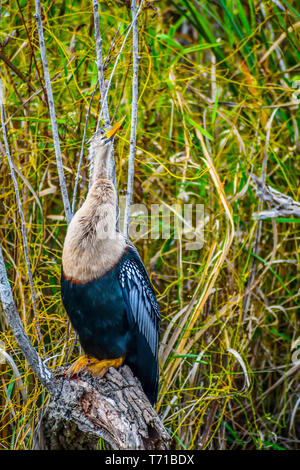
x: 86, y: 408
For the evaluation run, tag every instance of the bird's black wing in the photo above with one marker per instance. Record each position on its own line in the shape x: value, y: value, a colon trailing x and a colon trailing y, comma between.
x: 139, y: 296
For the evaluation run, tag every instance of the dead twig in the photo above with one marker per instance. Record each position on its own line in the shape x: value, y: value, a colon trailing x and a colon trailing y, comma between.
x: 20, y: 210
x: 14, y: 321
x: 135, y: 71
x: 48, y: 86
x: 98, y: 41
x: 117, y: 60
x: 81, y: 152
x: 284, y: 206
x: 16, y: 70
x: 104, y: 105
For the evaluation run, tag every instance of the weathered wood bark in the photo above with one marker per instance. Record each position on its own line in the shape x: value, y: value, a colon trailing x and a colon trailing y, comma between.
x: 114, y: 408
x: 283, y: 206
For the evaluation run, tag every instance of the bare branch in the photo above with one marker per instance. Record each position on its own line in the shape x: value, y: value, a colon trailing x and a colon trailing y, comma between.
x: 9, y: 307
x: 104, y: 105
x: 117, y: 60
x: 81, y: 152
x: 284, y: 206
x: 98, y: 40
x: 59, y: 163
x: 111, y: 46
x: 14, y: 321
x: 16, y: 70
x: 135, y: 55
x: 23, y: 227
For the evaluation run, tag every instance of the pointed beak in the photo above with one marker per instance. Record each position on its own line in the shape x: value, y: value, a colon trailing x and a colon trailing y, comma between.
x: 115, y: 128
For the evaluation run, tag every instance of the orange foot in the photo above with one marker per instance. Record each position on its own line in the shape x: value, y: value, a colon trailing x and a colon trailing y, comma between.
x: 96, y: 367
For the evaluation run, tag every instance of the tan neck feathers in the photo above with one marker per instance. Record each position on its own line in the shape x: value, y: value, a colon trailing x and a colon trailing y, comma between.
x: 100, y: 154
x: 92, y: 244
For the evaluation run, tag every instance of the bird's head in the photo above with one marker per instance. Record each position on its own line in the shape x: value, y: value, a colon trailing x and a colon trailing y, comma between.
x: 106, y: 133
x: 99, y: 151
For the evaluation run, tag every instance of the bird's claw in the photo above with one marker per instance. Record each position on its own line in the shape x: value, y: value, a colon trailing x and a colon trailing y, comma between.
x: 93, y: 365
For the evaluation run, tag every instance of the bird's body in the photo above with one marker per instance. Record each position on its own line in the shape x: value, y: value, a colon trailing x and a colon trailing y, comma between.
x: 101, y: 314
x: 105, y: 287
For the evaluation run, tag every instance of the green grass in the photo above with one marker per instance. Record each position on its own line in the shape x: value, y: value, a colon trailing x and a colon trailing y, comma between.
x: 205, y: 100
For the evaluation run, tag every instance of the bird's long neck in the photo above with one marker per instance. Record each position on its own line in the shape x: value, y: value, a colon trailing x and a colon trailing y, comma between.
x: 100, y: 155
x: 92, y: 244
x: 101, y: 200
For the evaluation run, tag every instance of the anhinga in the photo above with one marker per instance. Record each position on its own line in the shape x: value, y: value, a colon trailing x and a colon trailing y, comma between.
x: 105, y: 287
